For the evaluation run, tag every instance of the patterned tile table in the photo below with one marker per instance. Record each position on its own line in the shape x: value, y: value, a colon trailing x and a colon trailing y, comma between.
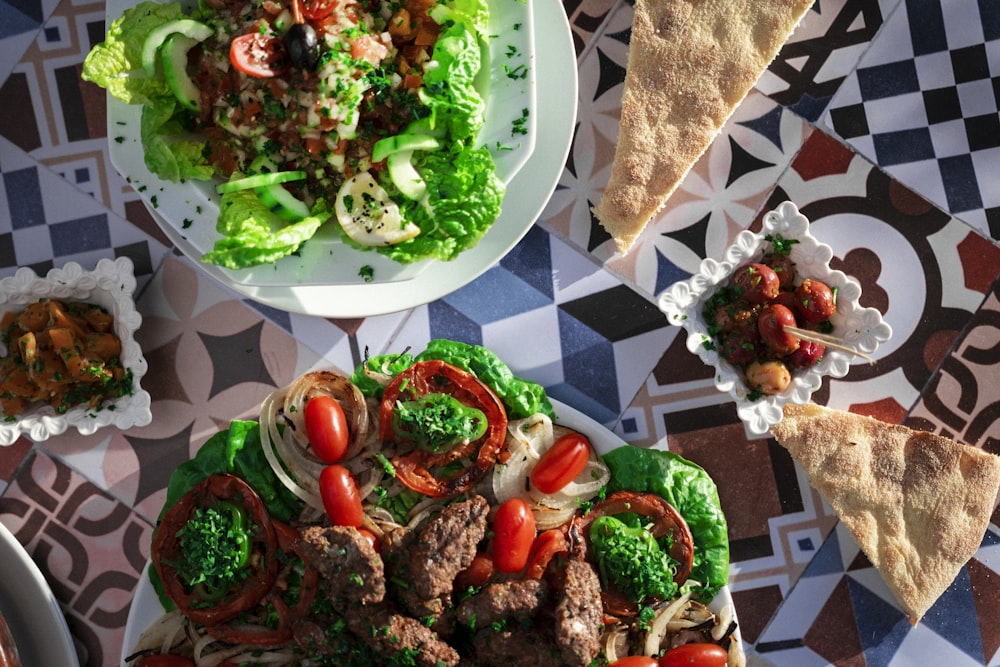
x: 879, y: 119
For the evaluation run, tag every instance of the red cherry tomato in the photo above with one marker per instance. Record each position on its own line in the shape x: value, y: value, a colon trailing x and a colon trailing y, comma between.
x: 561, y: 463
x: 513, y: 535
x: 318, y: 9
x: 166, y: 661
x: 815, y: 301
x: 634, y: 661
x: 695, y: 655
x: 757, y: 283
x: 341, y: 498
x: 259, y: 55
x: 326, y: 428
x: 771, y: 325
x: 479, y: 572
x: 372, y: 539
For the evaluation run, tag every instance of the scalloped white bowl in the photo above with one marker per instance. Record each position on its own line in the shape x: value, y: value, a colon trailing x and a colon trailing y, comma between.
x: 862, y: 329
x: 111, y: 285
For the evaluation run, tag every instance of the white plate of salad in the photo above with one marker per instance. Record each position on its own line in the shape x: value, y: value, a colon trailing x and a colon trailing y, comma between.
x: 287, y: 228
x: 605, y: 507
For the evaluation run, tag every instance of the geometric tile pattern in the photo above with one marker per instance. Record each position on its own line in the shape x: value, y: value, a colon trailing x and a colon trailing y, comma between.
x: 567, y: 324
x: 564, y: 310
x: 923, y: 103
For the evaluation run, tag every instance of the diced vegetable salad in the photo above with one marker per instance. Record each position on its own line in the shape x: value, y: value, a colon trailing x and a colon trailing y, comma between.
x: 356, y: 113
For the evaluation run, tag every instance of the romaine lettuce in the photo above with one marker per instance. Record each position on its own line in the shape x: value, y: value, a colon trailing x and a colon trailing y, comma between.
x: 522, y: 398
x: 449, y: 84
x: 116, y: 63
x: 251, y: 234
x: 463, y: 199
x: 169, y: 150
x: 687, y: 487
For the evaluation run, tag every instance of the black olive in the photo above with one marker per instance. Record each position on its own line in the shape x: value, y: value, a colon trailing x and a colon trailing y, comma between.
x: 302, y: 45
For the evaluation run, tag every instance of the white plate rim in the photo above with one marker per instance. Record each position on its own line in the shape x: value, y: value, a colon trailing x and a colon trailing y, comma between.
x: 146, y: 606
x: 35, y: 618
x: 554, y: 65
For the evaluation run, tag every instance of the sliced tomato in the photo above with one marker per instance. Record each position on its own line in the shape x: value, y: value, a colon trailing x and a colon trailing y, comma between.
x: 664, y: 520
x: 479, y: 572
x: 166, y: 550
x: 315, y: 10
x: 326, y: 428
x: 259, y: 55
x: 513, y: 535
x: 546, y: 546
x: 419, y: 469
x: 341, y: 498
x: 274, y: 607
x: 561, y: 463
x: 695, y: 655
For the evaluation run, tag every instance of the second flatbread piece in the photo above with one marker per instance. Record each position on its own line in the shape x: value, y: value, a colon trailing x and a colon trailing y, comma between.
x: 917, y: 503
x: 690, y: 63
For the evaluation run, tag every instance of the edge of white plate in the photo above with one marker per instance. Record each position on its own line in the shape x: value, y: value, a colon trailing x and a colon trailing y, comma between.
x: 36, y: 620
x: 556, y: 90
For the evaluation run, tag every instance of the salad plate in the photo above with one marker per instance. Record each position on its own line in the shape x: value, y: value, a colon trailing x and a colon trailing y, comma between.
x: 146, y: 607
x: 31, y: 609
x: 325, y: 278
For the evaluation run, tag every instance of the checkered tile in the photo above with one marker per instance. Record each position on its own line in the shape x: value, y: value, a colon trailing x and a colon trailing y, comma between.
x: 929, y: 114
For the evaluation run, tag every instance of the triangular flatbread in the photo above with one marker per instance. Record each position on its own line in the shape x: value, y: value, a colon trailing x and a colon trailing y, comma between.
x: 917, y: 503
x: 690, y: 63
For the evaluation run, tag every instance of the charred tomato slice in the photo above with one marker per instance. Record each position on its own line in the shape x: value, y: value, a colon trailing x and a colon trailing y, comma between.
x: 262, y: 565
x: 421, y: 469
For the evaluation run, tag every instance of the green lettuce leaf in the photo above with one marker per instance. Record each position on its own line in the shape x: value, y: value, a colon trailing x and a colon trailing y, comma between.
x: 235, y: 451
x: 687, y: 487
x: 252, y: 235
x: 116, y: 63
x: 169, y: 150
x: 522, y: 398
x: 449, y: 88
x: 464, y: 198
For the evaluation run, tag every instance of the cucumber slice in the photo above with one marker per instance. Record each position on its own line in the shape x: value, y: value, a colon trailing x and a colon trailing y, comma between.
x: 383, y: 148
x: 404, y: 176
x: 174, y: 58
x: 259, y: 181
x: 283, y: 203
x: 188, y: 27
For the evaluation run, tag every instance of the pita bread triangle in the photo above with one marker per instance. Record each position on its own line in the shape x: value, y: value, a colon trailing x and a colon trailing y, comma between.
x: 917, y: 503
x: 690, y: 63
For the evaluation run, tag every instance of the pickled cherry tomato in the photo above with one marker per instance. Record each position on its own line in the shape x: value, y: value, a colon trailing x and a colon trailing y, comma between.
x: 815, y: 301
x: 561, y: 463
x: 695, y: 655
x: 757, y: 283
x: 807, y: 355
x: 326, y: 428
x: 513, y: 535
x: 341, y: 498
x: 771, y: 325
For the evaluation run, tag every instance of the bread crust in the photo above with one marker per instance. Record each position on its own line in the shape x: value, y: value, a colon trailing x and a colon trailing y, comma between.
x: 917, y: 503
x: 690, y: 63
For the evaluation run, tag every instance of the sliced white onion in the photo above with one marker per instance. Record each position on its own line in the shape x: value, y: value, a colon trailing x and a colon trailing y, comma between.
x: 528, y: 439
x: 658, y: 627
x: 288, y: 450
